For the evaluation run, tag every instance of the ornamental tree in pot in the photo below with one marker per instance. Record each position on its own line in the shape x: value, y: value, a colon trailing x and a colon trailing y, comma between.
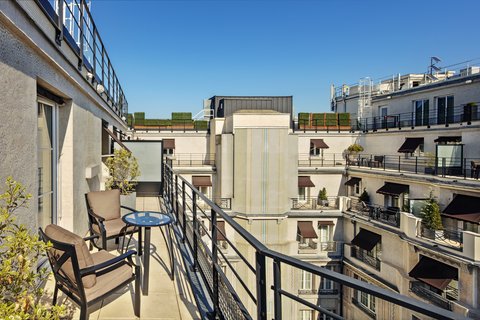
x: 322, y: 197
x: 124, y: 171
x: 431, y: 219
x: 21, y: 292
x: 353, y: 150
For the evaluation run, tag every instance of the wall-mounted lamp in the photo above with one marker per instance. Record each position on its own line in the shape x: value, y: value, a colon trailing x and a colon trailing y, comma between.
x: 89, y: 75
x: 100, y: 89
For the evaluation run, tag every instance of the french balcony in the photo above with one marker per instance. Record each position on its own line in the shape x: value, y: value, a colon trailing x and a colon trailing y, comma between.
x: 314, y: 203
x: 439, y: 300
x: 362, y: 255
x: 387, y: 215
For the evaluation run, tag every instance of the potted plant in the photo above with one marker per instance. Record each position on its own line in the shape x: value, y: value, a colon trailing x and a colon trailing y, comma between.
x: 123, y: 170
x: 21, y: 284
x: 365, y: 197
x: 322, y: 197
x: 352, y: 152
x: 431, y: 219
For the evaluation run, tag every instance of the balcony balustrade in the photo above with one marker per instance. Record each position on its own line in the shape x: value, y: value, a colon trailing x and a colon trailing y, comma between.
x: 249, y: 299
x: 420, y: 290
x: 363, y: 256
x: 387, y: 215
x: 447, y: 236
x: 192, y: 159
x: 314, y: 203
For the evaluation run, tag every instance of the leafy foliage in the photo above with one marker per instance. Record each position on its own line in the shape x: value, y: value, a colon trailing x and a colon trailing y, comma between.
x: 322, y: 195
x: 123, y: 169
x: 355, y: 148
x: 20, y: 251
x: 431, y: 214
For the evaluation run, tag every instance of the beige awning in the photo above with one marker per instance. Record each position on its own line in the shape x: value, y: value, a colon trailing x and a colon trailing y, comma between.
x: 115, y: 138
x: 305, y: 229
x: 168, y: 143
x: 305, y: 181
x: 201, y: 181
x: 326, y: 223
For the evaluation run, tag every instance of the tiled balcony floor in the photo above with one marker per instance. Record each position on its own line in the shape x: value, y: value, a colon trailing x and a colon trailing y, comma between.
x: 166, y: 299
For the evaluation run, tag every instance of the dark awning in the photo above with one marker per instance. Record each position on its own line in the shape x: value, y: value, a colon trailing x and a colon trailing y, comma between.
x: 366, y: 240
x: 201, y: 181
x: 326, y: 223
x: 462, y: 207
x: 353, y: 181
x: 168, y: 143
x: 319, y: 143
x: 443, y: 139
x: 393, y: 189
x: 221, y: 231
x: 410, y: 145
x: 305, y: 229
x: 115, y: 138
x: 304, y: 181
x: 433, y: 272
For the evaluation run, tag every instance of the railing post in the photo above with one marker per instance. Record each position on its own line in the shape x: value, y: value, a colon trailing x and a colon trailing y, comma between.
x: 261, y: 286
x: 277, y: 286
x: 464, y: 168
x: 176, y: 196
x: 195, y: 227
x: 184, y: 214
x: 443, y: 167
x: 59, y: 31
x: 384, y: 161
x: 214, y: 264
x: 399, y: 157
x: 416, y: 164
x: 80, y: 59
x: 370, y: 163
x: 334, y: 159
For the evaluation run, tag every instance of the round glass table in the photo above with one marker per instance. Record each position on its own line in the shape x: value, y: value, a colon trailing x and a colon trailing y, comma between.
x: 148, y: 220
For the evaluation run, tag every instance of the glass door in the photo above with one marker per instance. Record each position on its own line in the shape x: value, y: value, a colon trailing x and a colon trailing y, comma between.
x: 47, y: 164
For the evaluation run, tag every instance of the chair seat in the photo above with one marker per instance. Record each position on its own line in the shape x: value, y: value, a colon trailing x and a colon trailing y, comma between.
x: 107, y: 282
x: 113, y: 227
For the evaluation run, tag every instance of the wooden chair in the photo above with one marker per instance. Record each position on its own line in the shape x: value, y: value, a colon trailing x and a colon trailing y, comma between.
x: 105, y: 220
x: 87, y: 278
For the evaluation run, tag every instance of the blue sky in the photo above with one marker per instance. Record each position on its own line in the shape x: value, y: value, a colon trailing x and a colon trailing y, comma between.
x: 170, y: 55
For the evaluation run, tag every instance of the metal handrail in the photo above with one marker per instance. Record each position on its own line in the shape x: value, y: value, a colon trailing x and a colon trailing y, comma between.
x: 262, y: 252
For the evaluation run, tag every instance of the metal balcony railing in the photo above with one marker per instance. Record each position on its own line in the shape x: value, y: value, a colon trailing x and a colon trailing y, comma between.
x: 387, y: 215
x: 363, y: 256
x: 314, y: 203
x: 325, y: 160
x: 247, y: 301
x: 419, y: 289
x: 447, y: 236
x: 192, y: 159
x: 74, y: 24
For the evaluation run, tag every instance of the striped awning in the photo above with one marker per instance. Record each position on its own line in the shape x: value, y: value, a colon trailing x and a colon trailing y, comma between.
x: 434, y: 273
x: 366, y: 240
x: 463, y: 207
x: 353, y: 181
x: 393, y: 189
x: 410, y: 145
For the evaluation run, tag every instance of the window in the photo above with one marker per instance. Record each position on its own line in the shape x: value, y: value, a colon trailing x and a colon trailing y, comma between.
x: 421, y: 110
x: 326, y: 284
x: 306, y: 281
x: 302, y: 193
x: 326, y: 233
x: 445, y: 110
x: 364, y: 300
x: 322, y: 316
x: 315, y: 151
x: 306, y: 314
x: 47, y: 163
x: 356, y: 188
x: 168, y: 152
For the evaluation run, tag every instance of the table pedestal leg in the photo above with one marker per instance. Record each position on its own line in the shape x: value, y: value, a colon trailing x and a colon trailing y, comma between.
x: 146, y: 261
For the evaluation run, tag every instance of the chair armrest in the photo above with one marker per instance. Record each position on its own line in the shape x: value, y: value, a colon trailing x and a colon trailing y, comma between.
x: 89, y: 238
x: 108, y: 263
x: 100, y: 219
x: 128, y: 208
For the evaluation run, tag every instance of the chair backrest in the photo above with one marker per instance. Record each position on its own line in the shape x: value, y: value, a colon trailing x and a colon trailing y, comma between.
x: 105, y: 204
x: 69, y: 253
x: 378, y: 158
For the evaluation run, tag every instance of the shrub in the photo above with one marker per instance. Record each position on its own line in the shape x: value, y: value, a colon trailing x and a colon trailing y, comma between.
x: 123, y: 169
x: 355, y: 148
x: 322, y: 195
x: 181, y: 116
x: 331, y: 119
x: 431, y: 214
x: 22, y: 296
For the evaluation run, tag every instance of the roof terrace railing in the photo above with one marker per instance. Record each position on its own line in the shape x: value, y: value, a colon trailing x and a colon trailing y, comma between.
x: 74, y: 24
x: 247, y: 302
